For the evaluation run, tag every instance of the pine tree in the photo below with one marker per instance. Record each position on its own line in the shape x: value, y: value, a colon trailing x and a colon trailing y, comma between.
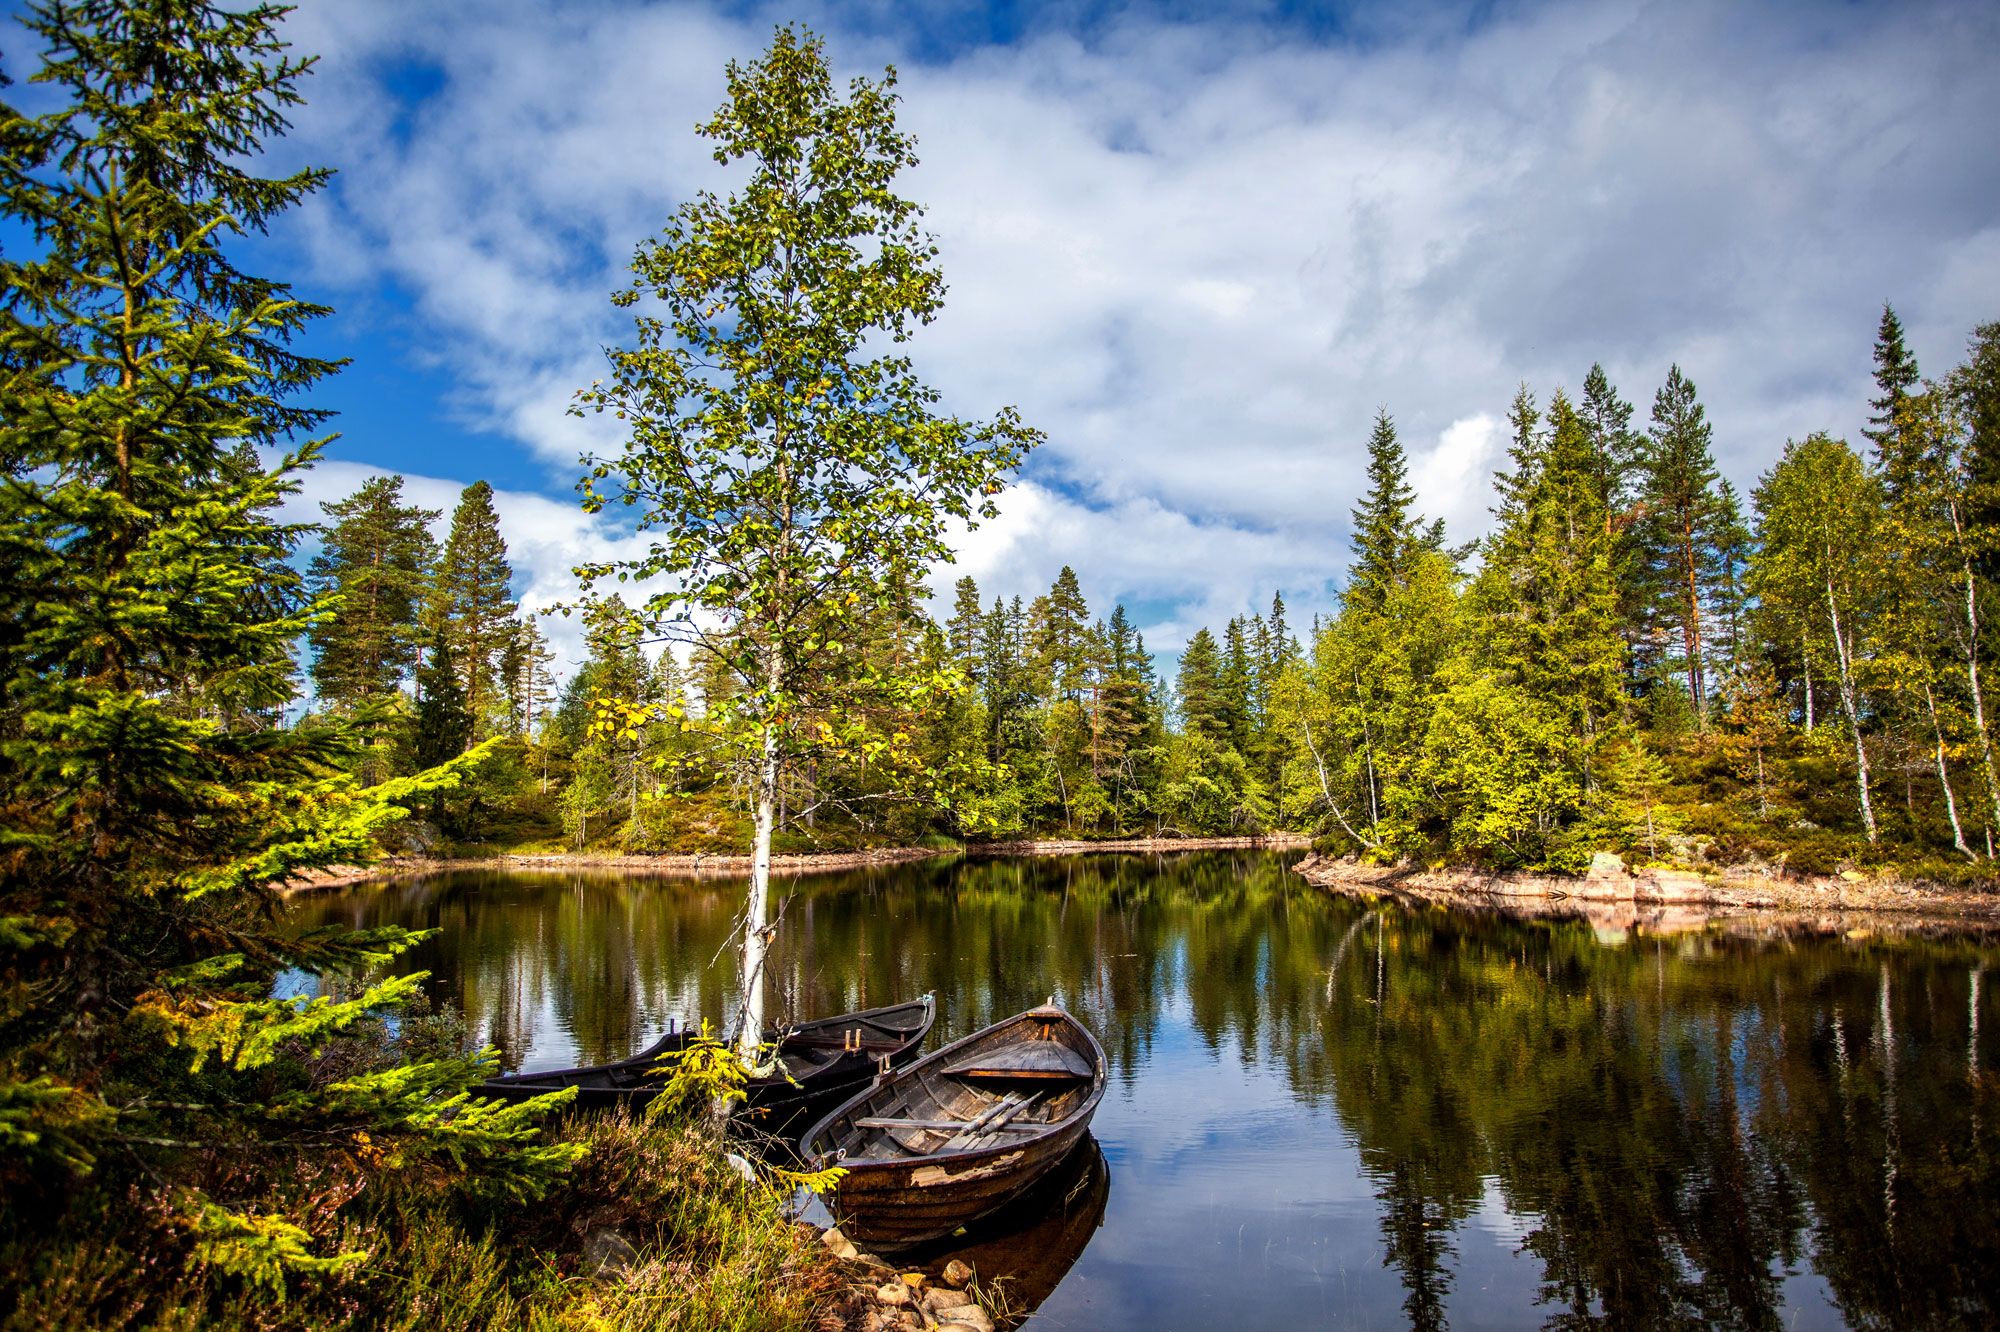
x: 1895, y: 375
x: 1198, y: 686
x: 443, y: 726
x: 1548, y: 599
x: 377, y: 558
x: 965, y: 626
x: 526, y: 678
x: 1057, y: 639
x: 1677, y: 539
x: 1616, y: 449
x: 144, y: 1058
x: 471, y: 603
x: 1524, y: 451
x: 1976, y: 386
x: 1237, y: 683
x: 1385, y: 537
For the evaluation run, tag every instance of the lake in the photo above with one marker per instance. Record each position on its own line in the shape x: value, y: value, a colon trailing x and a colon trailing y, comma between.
x: 1325, y: 1112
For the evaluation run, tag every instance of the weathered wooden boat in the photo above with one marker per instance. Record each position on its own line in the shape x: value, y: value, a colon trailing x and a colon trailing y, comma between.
x: 819, y: 1064
x: 961, y: 1132
x: 1027, y: 1247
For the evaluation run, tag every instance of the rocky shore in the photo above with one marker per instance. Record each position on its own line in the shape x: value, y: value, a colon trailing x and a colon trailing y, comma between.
x: 884, y: 1297
x: 1611, y: 897
x: 396, y: 868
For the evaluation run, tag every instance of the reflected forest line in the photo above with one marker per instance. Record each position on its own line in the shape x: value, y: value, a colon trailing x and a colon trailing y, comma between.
x: 1680, y: 1122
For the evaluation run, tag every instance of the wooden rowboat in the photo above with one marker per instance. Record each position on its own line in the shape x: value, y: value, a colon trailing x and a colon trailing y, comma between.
x: 819, y: 1064
x: 961, y: 1132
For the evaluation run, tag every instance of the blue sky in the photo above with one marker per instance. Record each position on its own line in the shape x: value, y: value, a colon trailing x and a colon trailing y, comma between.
x: 1198, y: 245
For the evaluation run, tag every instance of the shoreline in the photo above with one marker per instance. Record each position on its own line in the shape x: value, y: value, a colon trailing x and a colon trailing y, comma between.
x: 1612, y: 898
x: 701, y: 866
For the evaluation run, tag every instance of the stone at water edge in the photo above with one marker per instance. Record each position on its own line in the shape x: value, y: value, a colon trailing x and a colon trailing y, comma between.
x: 893, y: 1294
x: 842, y: 1246
x: 962, y: 1327
x: 938, y: 1298
x: 956, y: 1273
x: 966, y: 1315
x: 1606, y: 865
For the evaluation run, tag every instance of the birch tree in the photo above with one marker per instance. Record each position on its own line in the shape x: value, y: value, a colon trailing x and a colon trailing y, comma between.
x: 795, y: 479
x: 1820, y: 511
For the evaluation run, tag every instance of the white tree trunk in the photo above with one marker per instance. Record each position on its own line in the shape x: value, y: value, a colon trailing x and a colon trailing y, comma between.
x: 756, y: 922
x: 1850, y: 706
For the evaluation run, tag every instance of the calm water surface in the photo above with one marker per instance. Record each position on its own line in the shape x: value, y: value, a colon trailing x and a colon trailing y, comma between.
x: 1326, y: 1113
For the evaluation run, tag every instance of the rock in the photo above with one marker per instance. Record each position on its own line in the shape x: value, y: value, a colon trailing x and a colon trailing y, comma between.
x: 893, y: 1294
x: 913, y: 1319
x: 956, y: 1273
x: 1606, y: 864
x: 937, y: 1298
x: 1674, y: 886
x: 962, y: 1327
x: 842, y: 1246
x: 873, y: 1260
x: 607, y: 1253
x: 966, y: 1315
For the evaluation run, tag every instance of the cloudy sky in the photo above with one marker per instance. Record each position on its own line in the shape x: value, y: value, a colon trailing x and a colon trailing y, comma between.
x: 1198, y: 245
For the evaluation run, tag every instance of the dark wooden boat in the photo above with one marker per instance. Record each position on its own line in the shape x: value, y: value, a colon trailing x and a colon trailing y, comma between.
x: 819, y: 1064
x: 1025, y: 1249
x: 962, y: 1132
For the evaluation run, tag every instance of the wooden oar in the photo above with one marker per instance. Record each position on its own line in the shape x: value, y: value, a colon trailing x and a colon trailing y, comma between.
x: 978, y: 1137
x: 936, y: 1125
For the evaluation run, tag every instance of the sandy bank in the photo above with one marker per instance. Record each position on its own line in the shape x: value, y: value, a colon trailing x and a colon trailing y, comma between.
x: 1611, y: 898
x: 721, y: 866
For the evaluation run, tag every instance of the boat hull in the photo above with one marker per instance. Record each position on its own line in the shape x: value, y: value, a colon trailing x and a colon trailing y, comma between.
x: 821, y: 1074
x: 896, y: 1195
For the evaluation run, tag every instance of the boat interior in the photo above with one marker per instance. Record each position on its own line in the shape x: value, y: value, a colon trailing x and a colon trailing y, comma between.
x: 1013, y: 1085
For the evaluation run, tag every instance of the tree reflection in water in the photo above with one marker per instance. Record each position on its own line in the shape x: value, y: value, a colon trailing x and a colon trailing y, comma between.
x: 1678, y: 1123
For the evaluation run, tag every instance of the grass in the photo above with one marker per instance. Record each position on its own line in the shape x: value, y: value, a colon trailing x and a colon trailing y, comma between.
x: 707, y: 1249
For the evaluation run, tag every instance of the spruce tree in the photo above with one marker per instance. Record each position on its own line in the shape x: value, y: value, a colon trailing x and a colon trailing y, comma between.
x: 1895, y: 376
x: 1616, y: 449
x: 472, y: 604
x: 1524, y: 452
x: 1385, y: 538
x: 1976, y: 386
x: 964, y: 628
x: 1058, y: 640
x: 1677, y: 538
x: 1198, y: 686
x: 443, y: 725
x: 150, y: 1081
x: 376, y: 557
x: 1548, y: 597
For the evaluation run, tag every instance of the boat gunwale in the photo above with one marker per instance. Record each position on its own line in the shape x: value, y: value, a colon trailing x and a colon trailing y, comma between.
x: 1083, y: 1111
x: 557, y: 1078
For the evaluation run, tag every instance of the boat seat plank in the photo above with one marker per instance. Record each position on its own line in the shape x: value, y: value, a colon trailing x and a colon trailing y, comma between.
x: 1030, y: 1059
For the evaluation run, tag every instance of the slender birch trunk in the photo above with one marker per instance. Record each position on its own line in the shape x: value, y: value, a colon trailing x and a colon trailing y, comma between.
x: 1848, y: 705
x: 756, y: 920
x: 1944, y: 774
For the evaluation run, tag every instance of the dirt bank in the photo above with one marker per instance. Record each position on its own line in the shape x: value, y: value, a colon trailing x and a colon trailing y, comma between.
x: 1612, y: 898
x: 719, y: 866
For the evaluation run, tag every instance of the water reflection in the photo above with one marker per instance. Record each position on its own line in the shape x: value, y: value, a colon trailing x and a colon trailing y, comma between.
x: 1328, y: 1112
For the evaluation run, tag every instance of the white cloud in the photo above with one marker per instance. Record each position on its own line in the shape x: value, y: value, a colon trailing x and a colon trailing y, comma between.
x: 1201, y: 255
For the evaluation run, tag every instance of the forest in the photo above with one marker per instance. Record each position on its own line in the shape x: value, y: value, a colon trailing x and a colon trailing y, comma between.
x: 215, y: 1115
x: 1637, y: 659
